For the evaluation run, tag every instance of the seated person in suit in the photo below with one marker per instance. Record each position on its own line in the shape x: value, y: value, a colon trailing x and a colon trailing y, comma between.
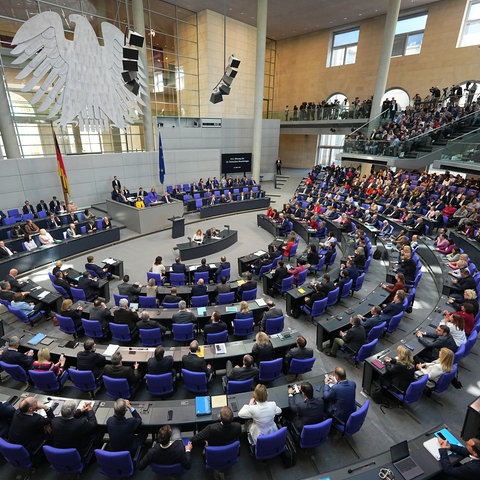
x: 6, y: 292
x: 339, y: 395
x: 223, y: 263
x: 72, y: 231
x: 353, y: 338
x: 106, y: 224
x: 6, y: 415
x: 393, y: 308
x: 45, y: 238
x: 218, y: 434
x: 27, y: 208
x: 12, y: 356
x: 222, y: 287
x: 194, y: 363
x: 28, y: 308
x: 248, y: 285
x: 125, y: 316
x: 146, y: 323
x: 58, y: 267
x: 372, y: 319
x: 199, y: 289
x: 172, y: 297
x: 89, y: 359
x: 117, y: 370
x: 61, y: 282
x: 31, y: 227
x: 203, y: 266
x: 262, y: 349
x: 168, y: 451
x: 178, y: 266
x: 400, y: 371
x: 279, y: 274
x: 125, y: 433
x: 466, y: 470
x: 28, y: 428
x: 129, y: 289
x: 75, y: 428
x: 53, y: 222
x: 215, y: 325
x: 89, y: 286
x: 434, y: 342
x: 183, y: 315
x: 308, y: 412
x: 300, y: 352
x: 66, y: 310
x: 160, y: 363
x: 245, y: 372
x: 101, y: 272
x: 272, y: 312
x: 100, y: 312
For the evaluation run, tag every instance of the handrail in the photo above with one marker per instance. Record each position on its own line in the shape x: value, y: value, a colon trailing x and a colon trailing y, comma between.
x: 370, y: 120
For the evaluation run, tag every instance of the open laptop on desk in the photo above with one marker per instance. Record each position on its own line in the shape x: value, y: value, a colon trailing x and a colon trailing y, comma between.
x: 403, y: 462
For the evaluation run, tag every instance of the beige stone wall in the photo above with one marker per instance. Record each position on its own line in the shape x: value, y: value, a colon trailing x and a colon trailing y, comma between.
x: 241, y: 41
x: 297, y: 151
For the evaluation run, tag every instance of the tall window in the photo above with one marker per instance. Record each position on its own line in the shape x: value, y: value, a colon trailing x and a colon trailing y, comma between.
x: 344, y: 47
x: 470, y: 34
x: 409, y: 35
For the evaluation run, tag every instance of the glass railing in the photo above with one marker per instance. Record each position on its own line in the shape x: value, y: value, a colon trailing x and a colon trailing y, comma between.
x: 334, y: 112
x: 462, y: 152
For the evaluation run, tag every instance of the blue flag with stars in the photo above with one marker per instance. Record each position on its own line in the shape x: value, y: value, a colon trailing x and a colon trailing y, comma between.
x: 161, y: 159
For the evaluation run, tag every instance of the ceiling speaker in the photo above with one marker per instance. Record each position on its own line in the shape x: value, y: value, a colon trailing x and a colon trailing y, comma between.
x: 233, y: 61
x: 135, y: 39
x: 216, y: 97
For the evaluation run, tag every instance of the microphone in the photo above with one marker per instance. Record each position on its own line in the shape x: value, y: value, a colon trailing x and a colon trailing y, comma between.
x: 351, y: 470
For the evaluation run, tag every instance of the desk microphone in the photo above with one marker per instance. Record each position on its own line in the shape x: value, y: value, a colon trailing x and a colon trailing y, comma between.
x: 382, y: 354
x: 351, y: 470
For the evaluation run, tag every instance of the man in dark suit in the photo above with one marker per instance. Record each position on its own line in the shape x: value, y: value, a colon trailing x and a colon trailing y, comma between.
x: 467, y: 470
x: 371, y: 320
x: 89, y: 359
x: 6, y: 292
x: 194, y: 363
x: 7, y: 412
x: 339, y: 395
x: 12, y: 356
x: 89, y: 286
x: 124, y: 316
x: 223, y: 263
x: 244, y: 372
x: 27, y: 208
x: 75, y: 428
x: 101, y: 272
x: 125, y: 434
x: 434, y: 342
x: 131, y: 290
x: 218, y: 434
x: 199, y: 289
x: 178, y: 266
x: 393, y: 308
x: 272, y: 312
x: 117, y: 370
x: 353, y: 338
x: 100, y: 312
x: 15, y: 285
x: 116, y: 183
x: 215, y: 325
x: 279, y: 274
x: 203, y: 267
x: 311, y: 410
x: 42, y: 206
x: 28, y: 426
x: 183, y: 315
x: 5, y: 251
x: 172, y: 297
x: 61, y: 282
x: 248, y: 285
x: 159, y: 363
x: 300, y: 352
x: 53, y: 222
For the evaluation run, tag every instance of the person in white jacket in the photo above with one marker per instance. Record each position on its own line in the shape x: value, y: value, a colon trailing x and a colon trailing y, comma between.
x: 262, y: 414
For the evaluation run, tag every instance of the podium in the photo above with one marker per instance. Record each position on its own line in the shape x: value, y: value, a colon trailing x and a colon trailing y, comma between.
x: 178, y: 227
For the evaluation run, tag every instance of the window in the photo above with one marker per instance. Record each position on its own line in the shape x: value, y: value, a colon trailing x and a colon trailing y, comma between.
x: 344, y: 47
x: 409, y: 35
x: 470, y: 34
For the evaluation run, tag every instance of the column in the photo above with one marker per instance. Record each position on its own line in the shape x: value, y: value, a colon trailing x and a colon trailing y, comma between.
x: 385, y: 56
x: 262, y: 8
x: 139, y: 24
x: 7, y: 128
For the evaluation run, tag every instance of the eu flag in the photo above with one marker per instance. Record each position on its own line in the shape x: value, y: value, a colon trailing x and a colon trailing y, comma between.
x: 161, y: 159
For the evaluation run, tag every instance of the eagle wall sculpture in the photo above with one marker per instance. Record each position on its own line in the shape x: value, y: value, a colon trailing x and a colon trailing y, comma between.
x: 80, y: 79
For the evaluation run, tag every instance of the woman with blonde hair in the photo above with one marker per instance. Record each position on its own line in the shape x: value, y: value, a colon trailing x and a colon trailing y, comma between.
x: 261, y: 413
x: 262, y: 349
x: 45, y: 238
x: 400, y: 372
x: 244, y: 311
x: 66, y: 310
x: 434, y: 370
x: 152, y: 288
x: 43, y: 362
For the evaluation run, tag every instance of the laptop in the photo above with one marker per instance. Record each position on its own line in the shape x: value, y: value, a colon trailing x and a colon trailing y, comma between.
x: 403, y: 462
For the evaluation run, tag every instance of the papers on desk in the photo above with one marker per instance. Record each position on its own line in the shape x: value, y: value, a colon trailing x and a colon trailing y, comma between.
x: 218, y: 401
x: 260, y: 253
x: 201, y: 351
x: 43, y: 295
x: 36, y: 339
x: 111, y: 349
x: 301, y: 290
x: 232, y: 309
x: 202, y: 311
x: 82, y: 403
x: 109, y: 261
x: 133, y: 306
x: 240, y: 282
x: 220, y: 348
x: 261, y: 302
x: 432, y: 445
x: 191, y: 268
x: 212, y: 265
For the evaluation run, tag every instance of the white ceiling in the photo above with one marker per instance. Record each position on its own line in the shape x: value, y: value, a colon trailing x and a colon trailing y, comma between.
x: 289, y: 18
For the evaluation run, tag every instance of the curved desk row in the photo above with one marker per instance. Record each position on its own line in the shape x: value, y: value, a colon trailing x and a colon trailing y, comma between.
x: 26, y: 261
x: 208, y: 211
x: 190, y: 250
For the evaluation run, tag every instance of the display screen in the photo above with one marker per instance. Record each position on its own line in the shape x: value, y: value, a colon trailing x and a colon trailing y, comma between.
x: 236, y: 162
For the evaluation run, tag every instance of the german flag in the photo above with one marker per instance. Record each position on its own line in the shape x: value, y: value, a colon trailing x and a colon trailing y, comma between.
x: 62, y: 173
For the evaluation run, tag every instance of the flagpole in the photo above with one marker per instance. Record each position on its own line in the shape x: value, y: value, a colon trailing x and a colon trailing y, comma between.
x: 62, y: 173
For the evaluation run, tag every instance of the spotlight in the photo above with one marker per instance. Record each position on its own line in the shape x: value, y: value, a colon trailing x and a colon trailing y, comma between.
x: 216, y: 96
x: 128, y: 76
x: 230, y: 72
x: 233, y: 61
x: 135, y: 39
x: 224, y: 89
x: 130, y: 65
x: 133, y: 86
x: 130, y: 53
x: 227, y: 80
